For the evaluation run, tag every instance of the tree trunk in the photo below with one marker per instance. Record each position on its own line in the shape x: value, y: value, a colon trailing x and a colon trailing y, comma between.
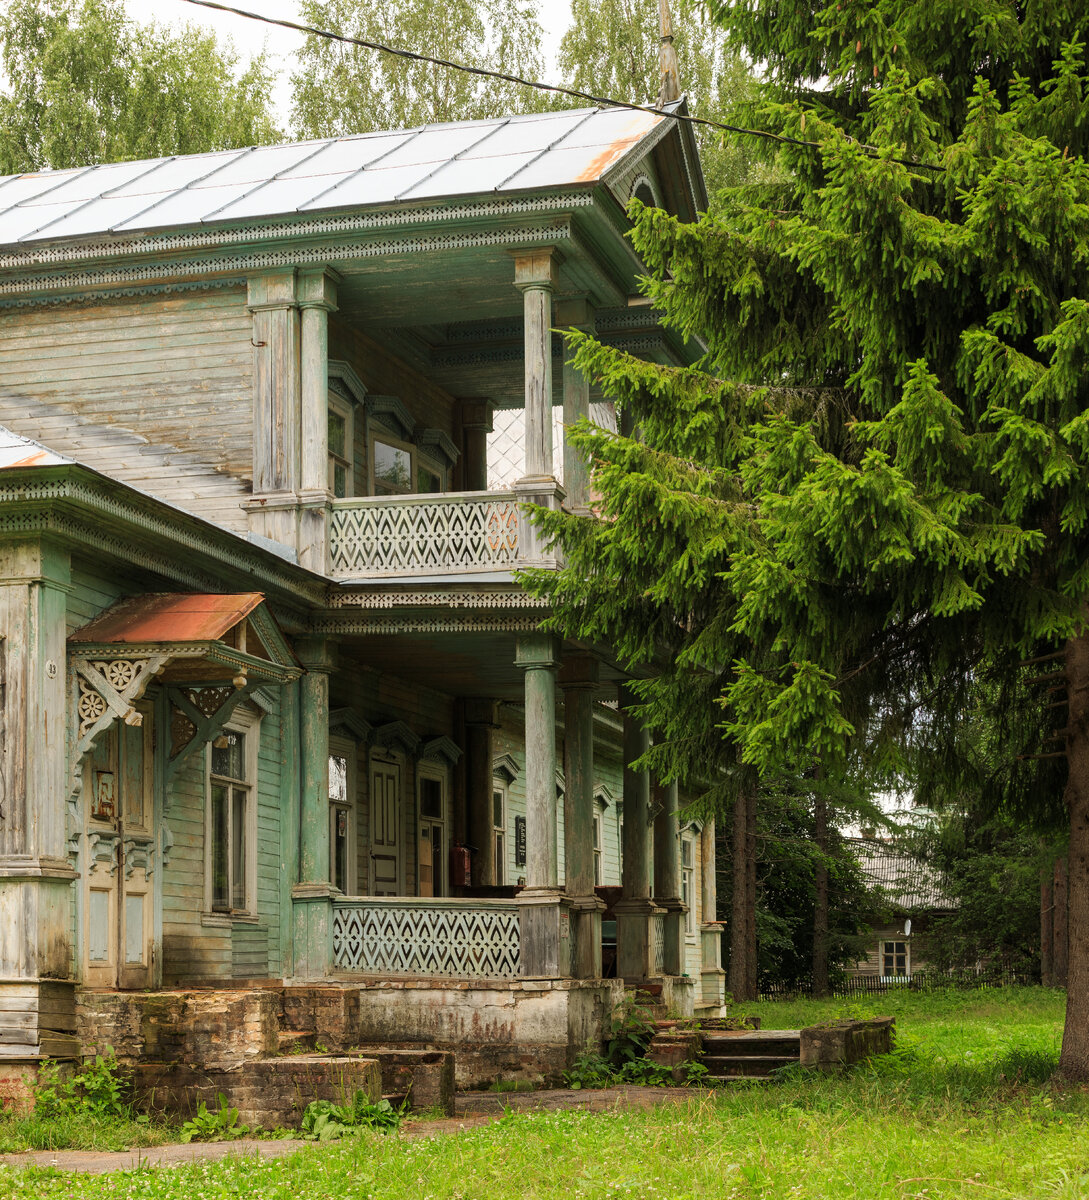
x: 1074, y: 1060
x: 750, y: 896
x: 738, y: 978
x: 1047, y: 929
x: 1060, y: 924
x: 820, y: 906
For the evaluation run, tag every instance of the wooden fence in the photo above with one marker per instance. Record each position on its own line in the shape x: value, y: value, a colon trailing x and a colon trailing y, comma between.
x: 922, y: 981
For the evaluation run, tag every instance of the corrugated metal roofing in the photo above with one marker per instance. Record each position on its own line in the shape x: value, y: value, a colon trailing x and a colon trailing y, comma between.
x: 169, y: 617
x: 909, y: 883
x: 462, y: 158
x: 16, y: 451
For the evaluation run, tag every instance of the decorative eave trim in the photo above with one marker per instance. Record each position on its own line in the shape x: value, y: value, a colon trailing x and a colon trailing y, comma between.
x: 300, y: 227
x: 347, y: 721
x: 342, y: 598
x: 602, y: 795
x: 292, y: 255
x: 435, y: 439
x: 438, y: 749
x: 86, y: 509
x: 422, y: 623
x: 115, y: 295
x: 505, y: 767
x: 392, y: 410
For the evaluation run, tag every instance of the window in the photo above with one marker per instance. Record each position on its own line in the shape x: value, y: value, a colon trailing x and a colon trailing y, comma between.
x: 499, y: 833
x: 598, y: 824
x: 398, y: 469
x: 340, y: 448
x: 432, y: 833
x: 342, y: 816
x: 230, y: 864
x: 688, y: 874
x: 895, y: 960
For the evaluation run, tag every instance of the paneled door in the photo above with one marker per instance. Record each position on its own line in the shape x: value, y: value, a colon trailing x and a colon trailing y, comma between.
x: 386, y: 856
x: 118, y: 794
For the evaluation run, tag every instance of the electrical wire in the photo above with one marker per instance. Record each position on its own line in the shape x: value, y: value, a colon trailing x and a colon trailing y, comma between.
x: 486, y: 73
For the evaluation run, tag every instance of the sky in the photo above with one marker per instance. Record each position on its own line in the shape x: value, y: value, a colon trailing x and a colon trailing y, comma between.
x: 250, y: 36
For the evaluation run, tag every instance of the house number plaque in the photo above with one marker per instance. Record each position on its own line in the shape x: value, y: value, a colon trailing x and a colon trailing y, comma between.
x: 519, y: 841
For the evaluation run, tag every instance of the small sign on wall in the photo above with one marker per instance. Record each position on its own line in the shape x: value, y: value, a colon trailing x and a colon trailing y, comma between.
x: 519, y: 841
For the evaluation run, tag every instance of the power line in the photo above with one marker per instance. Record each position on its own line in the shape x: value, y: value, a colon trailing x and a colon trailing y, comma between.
x: 486, y: 73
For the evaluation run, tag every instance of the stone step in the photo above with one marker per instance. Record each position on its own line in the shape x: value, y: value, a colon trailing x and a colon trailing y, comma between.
x: 723, y: 1066
x: 753, y: 1041
x: 294, y: 1041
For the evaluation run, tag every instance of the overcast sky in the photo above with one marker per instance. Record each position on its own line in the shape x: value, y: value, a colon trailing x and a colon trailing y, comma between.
x: 250, y: 36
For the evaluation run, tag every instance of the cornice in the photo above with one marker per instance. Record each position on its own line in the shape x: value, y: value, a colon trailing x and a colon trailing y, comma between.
x: 115, y: 295
x: 126, y: 524
x: 359, y: 623
x: 514, y: 598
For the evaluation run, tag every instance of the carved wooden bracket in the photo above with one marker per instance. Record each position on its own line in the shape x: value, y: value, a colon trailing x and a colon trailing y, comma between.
x: 197, y: 715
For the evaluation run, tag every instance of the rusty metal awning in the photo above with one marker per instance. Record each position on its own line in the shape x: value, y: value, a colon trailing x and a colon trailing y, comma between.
x: 197, y: 617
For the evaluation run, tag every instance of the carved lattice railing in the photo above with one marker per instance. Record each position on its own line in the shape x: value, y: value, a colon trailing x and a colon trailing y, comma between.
x: 375, y: 536
x: 657, y: 943
x: 454, y: 938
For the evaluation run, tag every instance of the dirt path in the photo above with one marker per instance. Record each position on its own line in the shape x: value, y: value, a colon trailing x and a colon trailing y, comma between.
x: 473, y: 1109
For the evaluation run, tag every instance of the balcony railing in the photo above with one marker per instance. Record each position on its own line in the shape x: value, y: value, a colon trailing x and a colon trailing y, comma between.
x: 461, y: 939
x: 461, y: 533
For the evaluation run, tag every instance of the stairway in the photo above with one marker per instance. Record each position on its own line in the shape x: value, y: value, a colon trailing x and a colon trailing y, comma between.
x: 749, y: 1053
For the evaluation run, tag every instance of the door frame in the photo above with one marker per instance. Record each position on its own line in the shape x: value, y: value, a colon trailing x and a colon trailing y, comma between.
x: 389, y: 761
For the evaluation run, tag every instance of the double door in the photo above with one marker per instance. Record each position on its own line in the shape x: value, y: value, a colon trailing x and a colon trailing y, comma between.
x: 118, y: 902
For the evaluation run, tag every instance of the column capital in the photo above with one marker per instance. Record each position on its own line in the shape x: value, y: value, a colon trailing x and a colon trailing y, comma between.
x: 317, y: 288
x: 536, y: 268
x: 272, y: 288
x: 537, y: 650
x: 579, y: 672
x: 482, y: 712
x: 575, y: 312
x: 476, y: 413
x: 317, y: 654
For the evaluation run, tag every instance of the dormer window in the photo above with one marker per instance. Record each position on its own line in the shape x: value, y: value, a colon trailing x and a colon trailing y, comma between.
x: 340, y: 448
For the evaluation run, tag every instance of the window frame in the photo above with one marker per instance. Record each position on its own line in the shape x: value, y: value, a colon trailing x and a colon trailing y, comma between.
x: 248, y: 724
x: 345, y: 748
x: 441, y: 775
x: 882, y: 952
x: 499, y: 832
x: 343, y: 408
x: 688, y: 882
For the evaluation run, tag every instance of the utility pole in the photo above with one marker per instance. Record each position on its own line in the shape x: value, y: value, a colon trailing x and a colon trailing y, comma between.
x: 670, y: 90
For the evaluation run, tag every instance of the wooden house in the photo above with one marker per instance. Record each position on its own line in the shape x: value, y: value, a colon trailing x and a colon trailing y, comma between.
x: 277, y: 718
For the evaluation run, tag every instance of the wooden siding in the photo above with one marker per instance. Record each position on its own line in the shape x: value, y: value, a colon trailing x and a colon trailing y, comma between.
x: 156, y: 391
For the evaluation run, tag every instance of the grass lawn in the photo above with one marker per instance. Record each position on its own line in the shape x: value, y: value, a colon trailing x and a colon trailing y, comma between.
x: 962, y: 1109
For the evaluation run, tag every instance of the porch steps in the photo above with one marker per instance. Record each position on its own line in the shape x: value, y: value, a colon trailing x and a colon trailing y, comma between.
x: 750, y: 1053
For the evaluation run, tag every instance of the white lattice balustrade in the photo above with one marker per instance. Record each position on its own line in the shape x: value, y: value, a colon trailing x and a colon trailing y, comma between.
x: 657, y: 946
x: 422, y: 535
x: 455, y: 938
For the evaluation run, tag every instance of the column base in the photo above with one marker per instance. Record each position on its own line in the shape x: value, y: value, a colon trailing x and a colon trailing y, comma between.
x: 586, y: 936
x: 312, y: 911
x: 712, y: 976
x: 546, y: 933
x: 673, y: 944
x: 636, y: 959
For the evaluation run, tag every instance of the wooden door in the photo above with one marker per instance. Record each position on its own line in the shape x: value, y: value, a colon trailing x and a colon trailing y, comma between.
x: 117, y: 897
x: 386, y: 873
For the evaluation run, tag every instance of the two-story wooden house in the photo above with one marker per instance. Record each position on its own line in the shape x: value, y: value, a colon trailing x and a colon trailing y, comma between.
x: 276, y: 712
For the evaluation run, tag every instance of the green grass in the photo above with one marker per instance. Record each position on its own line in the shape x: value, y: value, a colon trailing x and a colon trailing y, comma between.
x: 961, y: 1109
x: 80, y: 1131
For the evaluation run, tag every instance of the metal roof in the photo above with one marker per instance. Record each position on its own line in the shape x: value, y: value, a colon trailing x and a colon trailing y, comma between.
x: 16, y: 451
x: 168, y: 617
x: 497, y: 156
x: 908, y: 882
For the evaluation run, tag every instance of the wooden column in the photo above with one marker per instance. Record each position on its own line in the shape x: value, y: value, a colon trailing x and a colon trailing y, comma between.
x: 575, y: 313
x: 317, y: 294
x: 476, y: 424
x: 36, y: 945
x: 546, y: 926
x: 312, y: 895
x: 667, y: 875
x: 712, y: 976
x: 481, y: 720
x: 273, y: 301
x: 635, y: 910
x: 579, y: 681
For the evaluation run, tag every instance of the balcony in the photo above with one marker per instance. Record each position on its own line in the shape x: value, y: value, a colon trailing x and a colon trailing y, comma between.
x: 470, y: 534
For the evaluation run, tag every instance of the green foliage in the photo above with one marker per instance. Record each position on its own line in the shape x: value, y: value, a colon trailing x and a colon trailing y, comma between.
x: 342, y: 89
x: 214, y: 1125
x: 86, y: 85
x: 589, y: 1070
x: 97, y: 1089
x: 628, y: 1031
x: 325, y: 1121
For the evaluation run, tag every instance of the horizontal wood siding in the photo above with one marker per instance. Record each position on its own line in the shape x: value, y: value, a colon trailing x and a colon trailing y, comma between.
x: 156, y: 391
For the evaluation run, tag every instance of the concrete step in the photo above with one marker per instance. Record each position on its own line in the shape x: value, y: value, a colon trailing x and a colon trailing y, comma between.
x: 294, y: 1041
x: 753, y: 1041
x: 723, y: 1066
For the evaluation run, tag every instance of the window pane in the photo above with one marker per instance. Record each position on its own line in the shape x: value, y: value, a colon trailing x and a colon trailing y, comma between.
x: 392, y: 467
x: 340, y: 849
x: 431, y: 798
x: 497, y: 809
x: 340, y: 481
x: 220, y: 897
x: 427, y: 480
x: 500, y: 858
x: 228, y: 755
x: 238, y: 848
x: 338, y: 434
x: 338, y: 778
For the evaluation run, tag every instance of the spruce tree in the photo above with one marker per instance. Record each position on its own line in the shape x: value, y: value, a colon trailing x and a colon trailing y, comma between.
x: 875, y: 488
